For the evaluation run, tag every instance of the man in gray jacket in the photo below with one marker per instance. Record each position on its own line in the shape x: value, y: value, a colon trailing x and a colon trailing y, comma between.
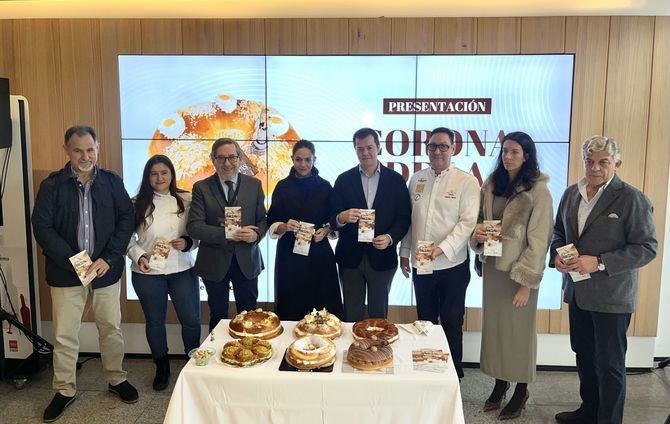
x: 224, y: 258
x: 611, y: 225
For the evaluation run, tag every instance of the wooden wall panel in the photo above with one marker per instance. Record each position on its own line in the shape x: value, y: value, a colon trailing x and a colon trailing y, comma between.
x: 202, y: 36
x: 498, y: 35
x: 285, y: 36
x: 52, y: 59
x: 7, y: 68
x: 161, y: 36
x: 655, y: 176
x: 587, y: 38
x: 327, y: 36
x: 243, y: 36
x: 543, y: 34
x: 80, y: 64
x: 369, y: 36
x: 473, y: 319
x: 412, y: 35
x: 628, y: 86
x: 455, y: 36
x: 38, y: 72
x: 402, y: 314
x: 627, y: 96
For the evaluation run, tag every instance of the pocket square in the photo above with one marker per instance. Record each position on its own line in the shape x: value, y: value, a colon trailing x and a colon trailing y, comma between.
x: 613, y: 216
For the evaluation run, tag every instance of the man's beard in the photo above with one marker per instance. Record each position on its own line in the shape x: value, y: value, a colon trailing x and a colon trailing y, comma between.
x: 86, y: 168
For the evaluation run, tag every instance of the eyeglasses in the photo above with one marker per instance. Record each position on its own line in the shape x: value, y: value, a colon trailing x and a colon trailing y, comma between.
x: 433, y: 147
x: 223, y: 159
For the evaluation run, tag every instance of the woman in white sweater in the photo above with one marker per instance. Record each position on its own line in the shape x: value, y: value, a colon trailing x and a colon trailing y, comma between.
x: 161, y: 262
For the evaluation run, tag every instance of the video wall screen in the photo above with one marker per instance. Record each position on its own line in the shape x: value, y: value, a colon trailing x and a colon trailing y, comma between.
x: 178, y: 106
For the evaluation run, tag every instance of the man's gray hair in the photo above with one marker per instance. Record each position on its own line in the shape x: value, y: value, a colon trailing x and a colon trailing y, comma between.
x: 598, y: 143
x: 80, y: 131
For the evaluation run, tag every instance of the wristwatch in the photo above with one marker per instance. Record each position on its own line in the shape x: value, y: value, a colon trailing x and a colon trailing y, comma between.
x: 601, y: 264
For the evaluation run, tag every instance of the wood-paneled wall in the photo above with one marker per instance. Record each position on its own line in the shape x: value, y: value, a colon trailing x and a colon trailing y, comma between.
x: 67, y: 69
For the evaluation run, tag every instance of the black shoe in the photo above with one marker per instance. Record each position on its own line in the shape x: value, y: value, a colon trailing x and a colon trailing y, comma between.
x: 56, y: 407
x: 125, y: 391
x: 578, y: 416
x: 509, y: 414
x: 162, y: 378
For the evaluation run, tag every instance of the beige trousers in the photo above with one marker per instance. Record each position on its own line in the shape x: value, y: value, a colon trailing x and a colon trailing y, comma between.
x: 68, y: 307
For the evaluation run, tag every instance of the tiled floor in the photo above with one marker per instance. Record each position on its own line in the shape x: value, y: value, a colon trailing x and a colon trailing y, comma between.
x: 647, y: 401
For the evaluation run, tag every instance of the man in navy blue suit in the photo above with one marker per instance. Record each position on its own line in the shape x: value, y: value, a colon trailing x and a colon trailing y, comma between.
x: 368, y: 265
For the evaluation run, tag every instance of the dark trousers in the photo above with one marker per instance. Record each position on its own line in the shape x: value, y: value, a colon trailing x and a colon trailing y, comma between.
x: 153, y: 290
x: 354, y: 284
x: 599, y: 342
x: 218, y: 293
x: 442, y: 295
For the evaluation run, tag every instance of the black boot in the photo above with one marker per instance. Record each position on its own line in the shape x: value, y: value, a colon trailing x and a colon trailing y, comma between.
x: 162, y: 378
x: 516, y: 405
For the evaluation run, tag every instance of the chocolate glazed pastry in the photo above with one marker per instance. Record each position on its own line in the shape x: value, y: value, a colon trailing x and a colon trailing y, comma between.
x: 368, y: 354
x: 375, y: 328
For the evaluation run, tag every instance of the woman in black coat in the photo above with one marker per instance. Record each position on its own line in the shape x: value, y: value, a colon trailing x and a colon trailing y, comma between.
x: 303, y: 282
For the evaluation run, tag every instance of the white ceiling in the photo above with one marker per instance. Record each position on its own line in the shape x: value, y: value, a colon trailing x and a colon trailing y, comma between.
x: 11, y: 9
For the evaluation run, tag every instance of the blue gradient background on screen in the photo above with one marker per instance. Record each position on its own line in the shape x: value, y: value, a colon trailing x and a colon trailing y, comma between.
x: 327, y: 98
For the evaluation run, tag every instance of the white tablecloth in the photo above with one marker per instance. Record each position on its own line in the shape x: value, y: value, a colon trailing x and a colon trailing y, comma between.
x: 218, y: 393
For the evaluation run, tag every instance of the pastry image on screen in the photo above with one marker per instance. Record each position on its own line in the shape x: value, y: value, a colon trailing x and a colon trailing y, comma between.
x: 265, y: 136
x: 179, y: 105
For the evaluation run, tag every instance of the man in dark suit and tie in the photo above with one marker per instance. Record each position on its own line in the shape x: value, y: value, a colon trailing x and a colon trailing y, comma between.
x: 368, y: 265
x: 611, y: 225
x: 234, y: 257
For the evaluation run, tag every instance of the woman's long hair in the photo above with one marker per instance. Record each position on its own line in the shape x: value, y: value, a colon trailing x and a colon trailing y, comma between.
x: 144, y: 201
x: 528, y: 174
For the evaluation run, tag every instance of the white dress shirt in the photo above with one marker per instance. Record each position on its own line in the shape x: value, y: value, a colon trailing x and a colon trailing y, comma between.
x: 168, y: 225
x: 235, y: 180
x: 370, y: 185
x: 586, y: 205
x: 444, y: 210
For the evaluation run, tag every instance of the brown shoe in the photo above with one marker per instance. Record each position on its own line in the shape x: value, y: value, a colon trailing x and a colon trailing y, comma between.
x: 491, y: 406
x: 507, y: 414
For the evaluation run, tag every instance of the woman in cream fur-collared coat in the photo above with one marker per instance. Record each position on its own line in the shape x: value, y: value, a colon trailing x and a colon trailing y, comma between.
x: 516, y: 193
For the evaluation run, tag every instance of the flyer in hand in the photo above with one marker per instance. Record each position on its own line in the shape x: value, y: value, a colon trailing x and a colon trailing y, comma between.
x: 303, y: 238
x: 567, y: 253
x: 424, y: 260
x: 233, y: 221
x: 493, y: 243
x: 366, y: 226
x: 81, y: 262
x: 159, y: 254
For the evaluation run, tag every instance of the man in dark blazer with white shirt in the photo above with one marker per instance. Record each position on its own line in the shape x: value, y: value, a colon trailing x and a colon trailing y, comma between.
x: 365, y: 265
x: 235, y: 258
x: 611, y: 224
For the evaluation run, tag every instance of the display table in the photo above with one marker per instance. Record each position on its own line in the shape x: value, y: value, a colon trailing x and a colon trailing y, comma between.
x: 218, y: 393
